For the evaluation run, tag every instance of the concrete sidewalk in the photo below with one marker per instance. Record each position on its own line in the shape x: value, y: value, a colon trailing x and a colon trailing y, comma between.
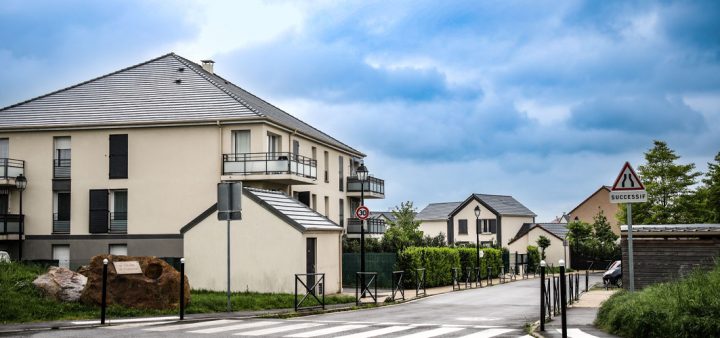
x: 580, y: 317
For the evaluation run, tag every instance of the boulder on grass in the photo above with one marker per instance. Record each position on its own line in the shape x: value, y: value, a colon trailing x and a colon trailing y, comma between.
x: 158, y: 287
x: 61, y: 284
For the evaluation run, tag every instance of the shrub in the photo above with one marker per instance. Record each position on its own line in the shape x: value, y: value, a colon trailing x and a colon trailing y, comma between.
x: 439, y: 262
x: 533, y: 258
x: 685, y: 308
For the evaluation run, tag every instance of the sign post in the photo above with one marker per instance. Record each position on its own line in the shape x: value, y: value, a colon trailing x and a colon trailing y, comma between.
x: 229, y: 208
x: 628, y: 189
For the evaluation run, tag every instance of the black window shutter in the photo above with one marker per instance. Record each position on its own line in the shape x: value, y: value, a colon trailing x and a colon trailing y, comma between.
x: 119, y: 156
x: 99, y: 211
x: 63, y: 206
x: 493, y: 226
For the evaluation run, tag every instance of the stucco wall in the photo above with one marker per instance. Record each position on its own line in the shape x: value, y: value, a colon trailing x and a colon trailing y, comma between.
x: 434, y: 228
x: 511, y: 225
x: 266, y: 253
x: 600, y: 200
x: 468, y: 213
x: 553, y: 253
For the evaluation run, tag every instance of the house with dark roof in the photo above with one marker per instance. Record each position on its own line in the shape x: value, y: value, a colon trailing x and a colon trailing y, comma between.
x: 123, y: 162
x: 529, y: 233
x: 500, y: 217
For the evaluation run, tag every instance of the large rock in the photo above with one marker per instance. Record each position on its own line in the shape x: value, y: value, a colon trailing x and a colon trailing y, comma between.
x: 61, y: 284
x: 158, y: 287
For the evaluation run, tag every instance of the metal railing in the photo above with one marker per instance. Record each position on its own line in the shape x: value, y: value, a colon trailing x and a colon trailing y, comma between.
x: 374, y: 226
x: 118, y: 223
x: 11, y: 224
x: 269, y: 164
x: 397, y: 284
x: 365, y: 289
x: 420, y: 282
x: 310, y: 290
x: 371, y: 185
x: 61, y: 168
x: 60, y: 226
x: 11, y: 168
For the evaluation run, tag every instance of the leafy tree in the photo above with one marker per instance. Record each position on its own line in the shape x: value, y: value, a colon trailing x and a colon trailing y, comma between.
x: 603, y: 242
x: 710, y: 192
x: 437, y: 241
x: 579, y: 234
x: 670, y: 198
x: 543, y: 242
x: 404, y: 231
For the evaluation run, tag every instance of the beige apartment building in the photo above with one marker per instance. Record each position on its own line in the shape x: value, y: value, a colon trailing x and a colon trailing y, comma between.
x: 122, y: 163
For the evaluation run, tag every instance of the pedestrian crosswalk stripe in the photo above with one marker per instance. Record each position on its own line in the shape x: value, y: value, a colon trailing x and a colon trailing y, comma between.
x: 190, y: 326
x: 235, y: 327
x: 434, y: 333
x: 134, y: 325
x: 274, y: 330
x: 126, y: 320
x: 329, y: 330
x: 577, y: 333
x: 378, y: 332
x: 489, y: 333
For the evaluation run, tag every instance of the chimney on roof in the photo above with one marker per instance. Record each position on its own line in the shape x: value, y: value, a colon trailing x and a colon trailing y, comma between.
x: 208, y: 65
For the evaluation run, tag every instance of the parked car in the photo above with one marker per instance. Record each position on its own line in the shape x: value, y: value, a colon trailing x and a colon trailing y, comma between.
x: 613, y: 275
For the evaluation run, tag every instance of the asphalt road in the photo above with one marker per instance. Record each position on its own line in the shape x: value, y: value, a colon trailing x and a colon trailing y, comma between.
x: 497, y: 311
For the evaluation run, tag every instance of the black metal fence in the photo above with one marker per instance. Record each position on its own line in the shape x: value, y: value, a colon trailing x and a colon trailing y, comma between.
x: 364, y: 289
x: 398, y: 285
x: 420, y: 282
x: 269, y: 163
x: 310, y: 290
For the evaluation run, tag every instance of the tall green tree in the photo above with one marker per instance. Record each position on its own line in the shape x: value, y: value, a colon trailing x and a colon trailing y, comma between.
x: 603, y: 242
x: 543, y: 242
x: 404, y: 231
x: 710, y: 192
x: 668, y: 184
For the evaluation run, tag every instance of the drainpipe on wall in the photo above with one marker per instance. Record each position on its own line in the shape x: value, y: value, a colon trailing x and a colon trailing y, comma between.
x: 220, y: 145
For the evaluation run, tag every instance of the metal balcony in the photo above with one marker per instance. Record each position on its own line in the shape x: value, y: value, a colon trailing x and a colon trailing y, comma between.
x: 374, y: 226
x: 9, y: 169
x: 374, y: 187
x: 61, y: 224
x: 286, y: 168
x: 11, y: 224
x: 118, y: 223
x: 61, y: 168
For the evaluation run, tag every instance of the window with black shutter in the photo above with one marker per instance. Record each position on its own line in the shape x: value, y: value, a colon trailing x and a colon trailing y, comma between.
x: 119, y: 156
x: 99, y: 211
x: 463, y: 230
x: 493, y: 226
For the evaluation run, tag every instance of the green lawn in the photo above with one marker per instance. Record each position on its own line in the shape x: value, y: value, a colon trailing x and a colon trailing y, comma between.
x: 21, y: 302
x: 685, y: 308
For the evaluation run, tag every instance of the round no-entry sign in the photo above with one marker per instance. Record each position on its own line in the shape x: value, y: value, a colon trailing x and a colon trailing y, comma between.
x: 362, y: 212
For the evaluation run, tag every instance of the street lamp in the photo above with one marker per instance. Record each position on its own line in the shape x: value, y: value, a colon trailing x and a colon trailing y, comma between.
x: 362, y: 175
x: 480, y: 254
x: 21, y: 184
x: 477, y: 234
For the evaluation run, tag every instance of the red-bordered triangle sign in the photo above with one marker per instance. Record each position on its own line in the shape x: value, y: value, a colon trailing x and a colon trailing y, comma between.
x: 627, y: 180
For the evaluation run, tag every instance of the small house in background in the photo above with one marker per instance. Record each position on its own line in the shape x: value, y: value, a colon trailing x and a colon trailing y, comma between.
x: 500, y: 218
x: 529, y: 234
x: 668, y: 252
x: 599, y: 200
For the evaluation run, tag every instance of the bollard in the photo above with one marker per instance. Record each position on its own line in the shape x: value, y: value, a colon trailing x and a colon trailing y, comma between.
x: 563, y: 304
x: 103, y: 297
x: 542, y: 295
x: 587, y: 275
x: 489, y: 276
x: 182, y: 288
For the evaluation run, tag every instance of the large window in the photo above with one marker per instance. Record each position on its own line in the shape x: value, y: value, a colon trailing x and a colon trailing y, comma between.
x: 61, y: 212
x: 241, y: 141
x: 341, y: 165
x: 61, y: 157
x: 119, y: 156
x: 118, y: 211
x: 273, y: 145
x: 462, y: 227
x: 4, y: 148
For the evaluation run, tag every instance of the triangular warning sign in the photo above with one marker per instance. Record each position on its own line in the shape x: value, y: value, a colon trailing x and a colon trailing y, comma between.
x: 627, y: 180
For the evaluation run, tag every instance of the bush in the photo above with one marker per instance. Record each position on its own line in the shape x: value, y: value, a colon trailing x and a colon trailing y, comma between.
x: 533, y: 258
x: 685, y: 308
x: 439, y: 262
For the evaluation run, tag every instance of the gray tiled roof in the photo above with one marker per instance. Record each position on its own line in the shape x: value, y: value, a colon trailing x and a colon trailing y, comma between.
x: 557, y: 229
x: 680, y: 228
x: 505, y: 205
x: 294, y: 211
x: 148, y: 93
x: 378, y: 214
x: 437, y: 211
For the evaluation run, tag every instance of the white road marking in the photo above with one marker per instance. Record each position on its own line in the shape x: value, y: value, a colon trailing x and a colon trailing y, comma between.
x: 577, y: 333
x: 133, y: 325
x: 279, y: 329
x: 477, y: 319
x: 489, y: 333
x: 378, y: 332
x: 128, y: 320
x: 433, y: 333
x: 329, y: 330
x: 190, y: 326
x: 234, y: 327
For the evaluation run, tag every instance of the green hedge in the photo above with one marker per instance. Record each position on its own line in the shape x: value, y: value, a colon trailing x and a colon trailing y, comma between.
x: 533, y: 258
x: 685, y: 308
x: 438, y: 263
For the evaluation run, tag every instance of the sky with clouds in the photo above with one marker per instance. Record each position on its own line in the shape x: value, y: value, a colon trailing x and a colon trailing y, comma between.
x: 541, y: 100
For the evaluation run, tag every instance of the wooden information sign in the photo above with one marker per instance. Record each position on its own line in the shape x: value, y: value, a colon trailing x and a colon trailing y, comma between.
x: 127, y: 268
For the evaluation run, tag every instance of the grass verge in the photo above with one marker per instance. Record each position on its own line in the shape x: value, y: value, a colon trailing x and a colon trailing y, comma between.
x: 685, y: 308
x: 21, y: 302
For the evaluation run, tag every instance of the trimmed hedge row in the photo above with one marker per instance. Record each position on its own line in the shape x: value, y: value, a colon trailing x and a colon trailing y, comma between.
x: 533, y: 258
x: 439, y: 262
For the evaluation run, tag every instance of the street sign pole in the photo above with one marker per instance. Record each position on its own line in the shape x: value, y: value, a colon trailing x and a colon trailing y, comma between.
x: 631, y: 270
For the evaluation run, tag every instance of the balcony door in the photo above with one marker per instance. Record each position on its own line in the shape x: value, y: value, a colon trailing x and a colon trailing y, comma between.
x: 241, y: 142
x: 4, y: 148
